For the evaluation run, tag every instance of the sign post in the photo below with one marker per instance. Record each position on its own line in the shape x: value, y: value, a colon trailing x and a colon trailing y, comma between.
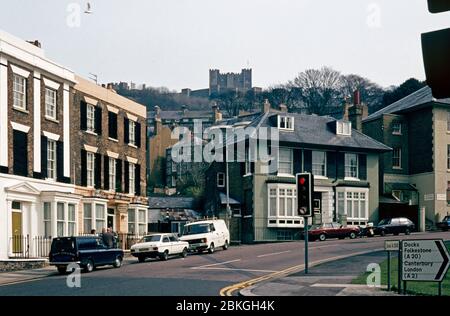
x: 305, y: 189
x: 424, y: 260
x: 389, y: 246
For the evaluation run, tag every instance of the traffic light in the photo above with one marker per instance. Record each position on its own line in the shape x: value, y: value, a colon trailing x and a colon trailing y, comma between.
x: 305, y: 187
x: 436, y: 54
x: 438, y: 6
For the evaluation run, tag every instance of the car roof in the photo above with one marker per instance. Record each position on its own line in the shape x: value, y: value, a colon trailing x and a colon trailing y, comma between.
x: 206, y: 222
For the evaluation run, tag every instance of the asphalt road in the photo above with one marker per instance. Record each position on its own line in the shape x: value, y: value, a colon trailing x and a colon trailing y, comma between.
x: 201, y: 275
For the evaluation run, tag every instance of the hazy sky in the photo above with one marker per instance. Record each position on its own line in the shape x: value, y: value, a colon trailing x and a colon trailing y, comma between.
x: 174, y: 43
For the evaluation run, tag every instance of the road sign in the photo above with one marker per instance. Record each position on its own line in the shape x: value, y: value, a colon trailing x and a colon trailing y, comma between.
x: 424, y: 260
x: 392, y: 245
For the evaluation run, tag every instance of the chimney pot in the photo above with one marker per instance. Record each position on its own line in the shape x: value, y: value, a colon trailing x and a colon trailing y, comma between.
x: 356, y: 97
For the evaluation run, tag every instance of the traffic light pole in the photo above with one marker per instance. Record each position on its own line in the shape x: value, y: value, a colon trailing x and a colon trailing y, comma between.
x: 306, y: 244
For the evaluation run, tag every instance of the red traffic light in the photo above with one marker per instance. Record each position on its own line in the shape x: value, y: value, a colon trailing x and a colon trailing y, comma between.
x: 302, y: 181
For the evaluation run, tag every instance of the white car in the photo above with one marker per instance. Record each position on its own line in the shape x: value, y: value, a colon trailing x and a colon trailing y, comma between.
x: 160, y: 246
x: 207, y: 235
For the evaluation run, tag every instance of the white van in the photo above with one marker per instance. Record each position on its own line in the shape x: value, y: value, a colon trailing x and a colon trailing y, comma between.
x: 206, y: 235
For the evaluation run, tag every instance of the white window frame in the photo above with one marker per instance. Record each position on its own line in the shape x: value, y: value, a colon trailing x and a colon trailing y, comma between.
x: 71, y: 222
x: 286, y: 123
x: 290, y: 161
x: 132, y: 133
x: 50, y: 103
x: 343, y: 128
x: 90, y: 118
x: 51, y: 159
x: 315, y: 164
x: 93, y: 220
x: 284, y: 194
x: 132, y: 177
x: 397, y: 128
x: 395, y: 158
x: 142, y: 226
x: 100, y: 219
x: 61, y: 221
x: 349, y: 196
x: 90, y: 169
x: 47, y: 217
x: 19, y: 92
x: 349, y: 174
x: 221, y: 180
x: 112, y: 174
x: 132, y: 211
x: 248, y: 162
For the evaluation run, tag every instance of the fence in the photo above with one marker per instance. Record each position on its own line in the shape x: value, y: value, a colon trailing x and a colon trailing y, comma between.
x: 26, y: 247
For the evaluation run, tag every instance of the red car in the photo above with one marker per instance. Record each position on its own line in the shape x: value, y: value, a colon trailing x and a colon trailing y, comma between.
x: 332, y: 230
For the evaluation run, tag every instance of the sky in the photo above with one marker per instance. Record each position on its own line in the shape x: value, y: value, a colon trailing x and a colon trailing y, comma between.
x: 173, y: 43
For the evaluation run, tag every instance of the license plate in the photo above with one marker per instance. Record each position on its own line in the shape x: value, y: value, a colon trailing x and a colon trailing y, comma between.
x: 144, y: 249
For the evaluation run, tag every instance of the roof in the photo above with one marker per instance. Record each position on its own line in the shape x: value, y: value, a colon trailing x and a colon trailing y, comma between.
x: 179, y: 115
x: 223, y: 199
x: 110, y: 97
x: 413, y: 101
x: 171, y: 202
x: 316, y: 131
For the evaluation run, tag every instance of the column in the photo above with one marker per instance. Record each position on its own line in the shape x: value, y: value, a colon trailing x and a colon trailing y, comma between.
x: 4, y: 234
x: 37, y: 123
x: 9, y: 226
x: 66, y: 127
x: 33, y: 227
x: 54, y: 219
x: 3, y: 112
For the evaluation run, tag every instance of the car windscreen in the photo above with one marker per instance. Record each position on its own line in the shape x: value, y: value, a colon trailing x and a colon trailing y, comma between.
x: 153, y: 238
x: 384, y: 222
x: 196, y: 229
x: 446, y: 219
x: 63, y: 244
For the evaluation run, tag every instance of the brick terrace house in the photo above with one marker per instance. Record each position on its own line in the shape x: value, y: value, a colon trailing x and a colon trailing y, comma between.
x: 109, y: 159
x: 263, y: 204
x: 36, y: 197
x: 416, y: 174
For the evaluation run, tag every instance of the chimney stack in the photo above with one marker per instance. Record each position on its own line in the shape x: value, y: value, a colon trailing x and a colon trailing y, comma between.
x: 266, y: 106
x: 217, y: 116
x: 283, y: 108
x: 158, y: 121
x: 358, y: 111
x: 35, y: 43
x: 356, y: 97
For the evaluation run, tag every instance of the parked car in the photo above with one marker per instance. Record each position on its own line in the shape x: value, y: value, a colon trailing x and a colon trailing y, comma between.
x: 160, y: 246
x: 206, y: 235
x: 394, y: 226
x: 367, y: 231
x: 89, y: 252
x: 332, y: 230
x: 445, y: 224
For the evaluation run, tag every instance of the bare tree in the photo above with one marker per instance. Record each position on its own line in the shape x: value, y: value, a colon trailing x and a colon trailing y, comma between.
x: 371, y: 93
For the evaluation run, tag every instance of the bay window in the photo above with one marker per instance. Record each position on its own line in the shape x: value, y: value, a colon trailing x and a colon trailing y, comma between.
x: 71, y: 220
x: 47, y: 219
x: 282, y: 206
x: 61, y: 223
x: 353, y: 203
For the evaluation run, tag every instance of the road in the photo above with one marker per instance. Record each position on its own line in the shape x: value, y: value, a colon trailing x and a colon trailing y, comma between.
x: 202, y: 275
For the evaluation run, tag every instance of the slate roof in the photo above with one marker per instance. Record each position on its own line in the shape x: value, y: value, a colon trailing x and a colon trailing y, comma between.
x: 179, y: 115
x: 171, y: 203
x: 413, y: 101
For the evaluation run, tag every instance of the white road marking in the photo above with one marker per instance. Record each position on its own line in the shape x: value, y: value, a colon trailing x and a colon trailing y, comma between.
x: 236, y: 269
x: 215, y: 264
x: 273, y: 254
x: 356, y: 286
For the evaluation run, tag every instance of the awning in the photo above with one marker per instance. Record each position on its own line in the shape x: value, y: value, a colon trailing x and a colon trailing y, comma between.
x: 390, y: 200
x: 395, y: 186
x: 223, y: 200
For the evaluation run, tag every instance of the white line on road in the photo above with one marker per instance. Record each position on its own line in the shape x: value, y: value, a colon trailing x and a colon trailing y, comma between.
x: 215, y: 264
x: 273, y: 254
x: 236, y: 269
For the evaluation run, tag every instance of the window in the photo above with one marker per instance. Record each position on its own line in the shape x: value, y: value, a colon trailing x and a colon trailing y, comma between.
x: 71, y: 220
x: 319, y: 163
x: 131, y: 221
x: 19, y: 92
x: 132, y: 130
x: 50, y: 103
x: 285, y: 163
x: 90, y: 169
x: 47, y: 219
x: 448, y: 193
x: 248, y: 162
x: 351, y: 166
x: 343, y: 128
x: 51, y: 159
x: 396, y: 128
x: 142, y: 222
x: 61, y: 220
x: 112, y: 174
x: 282, y: 202
x: 100, y: 217
x: 132, y: 172
x: 87, y: 217
x: 221, y: 180
x: 397, y: 158
x: 353, y: 203
x: 90, y: 115
x: 286, y: 123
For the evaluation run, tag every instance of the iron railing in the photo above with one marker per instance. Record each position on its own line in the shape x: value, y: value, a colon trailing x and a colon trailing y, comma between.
x: 26, y: 246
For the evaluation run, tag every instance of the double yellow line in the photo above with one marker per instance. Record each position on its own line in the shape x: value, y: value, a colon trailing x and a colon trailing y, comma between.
x: 230, y: 290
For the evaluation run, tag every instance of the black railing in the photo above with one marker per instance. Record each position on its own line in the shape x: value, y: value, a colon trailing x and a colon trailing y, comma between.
x: 26, y: 247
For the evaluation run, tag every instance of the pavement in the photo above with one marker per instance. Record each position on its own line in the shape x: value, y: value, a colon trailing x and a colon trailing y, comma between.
x: 333, y: 278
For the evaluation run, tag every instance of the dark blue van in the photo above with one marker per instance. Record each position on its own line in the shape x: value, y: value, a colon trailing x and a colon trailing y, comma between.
x: 87, y: 251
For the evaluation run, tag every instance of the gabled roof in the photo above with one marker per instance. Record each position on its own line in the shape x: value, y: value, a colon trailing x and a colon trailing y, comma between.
x: 413, y: 101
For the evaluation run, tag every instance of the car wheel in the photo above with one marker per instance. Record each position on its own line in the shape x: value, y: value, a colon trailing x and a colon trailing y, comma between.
x: 322, y: 237
x: 118, y: 262
x: 383, y: 233
x: 184, y: 253
x: 164, y: 256
x: 211, y: 248
x: 89, y: 266
x: 225, y: 247
x: 62, y: 270
x: 407, y: 232
x: 352, y: 235
x: 141, y: 259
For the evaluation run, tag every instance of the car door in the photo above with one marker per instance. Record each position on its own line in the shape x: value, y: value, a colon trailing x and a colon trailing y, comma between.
x: 395, y: 226
x: 215, y: 235
x: 175, y: 245
x: 100, y: 254
x: 166, y: 244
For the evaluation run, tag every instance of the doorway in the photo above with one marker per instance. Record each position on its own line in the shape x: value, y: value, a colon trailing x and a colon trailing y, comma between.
x: 16, y: 214
x: 110, y: 220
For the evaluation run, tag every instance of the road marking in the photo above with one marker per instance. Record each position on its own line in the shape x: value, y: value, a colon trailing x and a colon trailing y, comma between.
x: 229, y: 290
x: 273, y: 254
x: 236, y: 269
x: 356, y: 286
x: 215, y: 264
